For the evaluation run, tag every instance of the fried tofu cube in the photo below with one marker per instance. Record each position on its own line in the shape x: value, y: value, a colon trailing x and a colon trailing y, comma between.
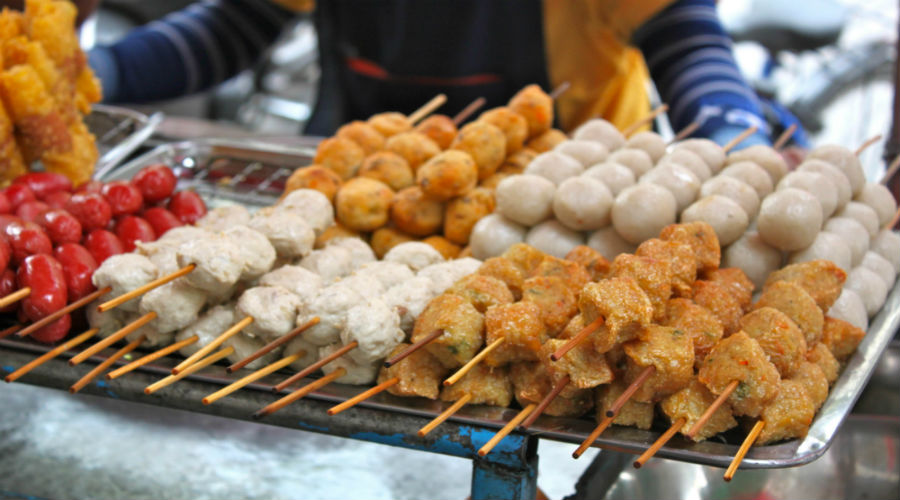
x: 680, y: 257
x: 704, y: 327
x: 701, y: 237
x: 797, y: 304
x: 690, y: 403
x: 788, y: 415
x: 670, y: 351
x: 779, y: 337
x: 486, y: 385
x: 420, y: 374
x: 822, y: 279
x: 719, y: 301
x: 653, y: 276
x: 522, y: 327
x: 622, y: 304
x: 841, y: 337
x: 463, y: 328
x: 633, y: 413
x: 482, y: 291
x: 595, y: 263
x: 741, y: 358
x: 555, y: 300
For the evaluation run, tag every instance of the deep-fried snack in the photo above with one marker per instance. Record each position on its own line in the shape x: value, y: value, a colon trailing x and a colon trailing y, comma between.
x: 680, y: 257
x: 788, y: 415
x: 797, y: 304
x: 822, y: 279
x: 595, y: 263
x: 463, y: 328
x: 536, y: 107
x: 438, y: 128
x: 390, y: 123
x: 420, y: 374
x: 704, y: 327
x: 719, y: 301
x: 363, y: 204
x: 363, y: 134
x: 512, y: 124
x: 485, y: 143
x: 464, y: 212
x: 445, y: 247
x: 482, y: 291
x: 841, y: 337
x: 555, y: 299
x: 414, y: 213
x: 741, y: 358
x: 701, y: 237
x: 341, y: 155
x: 448, y: 175
x: 385, y: 238
x: 322, y: 179
x: 779, y: 337
x: 389, y: 168
x: 633, y: 413
x: 414, y: 147
x: 690, y: 403
x: 521, y: 326
x: 531, y: 383
x: 736, y: 282
x: 506, y: 271
x: 654, y: 276
x: 670, y: 351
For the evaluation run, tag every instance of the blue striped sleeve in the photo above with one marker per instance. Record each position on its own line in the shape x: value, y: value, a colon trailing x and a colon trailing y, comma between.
x: 188, y: 51
x: 690, y: 59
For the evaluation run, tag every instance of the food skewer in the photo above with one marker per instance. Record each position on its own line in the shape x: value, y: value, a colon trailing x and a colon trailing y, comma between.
x: 427, y: 108
x: 870, y: 141
x: 560, y: 90
x: 784, y: 137
x: 468, y: 110
x: 271, y: 346
x: 742, y: 451
x: 739, y: 138
x: 220, y: 354
x: 631, y: 129
x: 686, y: 131
x: 472, y: 362
x: 438, y: 420
x: 47, y: 356
x: 112, y: 339
x: 334, y: 410
x: 137, y: 292
x: 299, y: 393
x: 6, y: 332
x: 557, y: 388
x: 893, y: 221
x: 315, y: 366
x: 623, y: 398
x: 588, y: 441
x: 253, y: 377
x: 87, y: 299
x: 890, y: 170
x: 578, y: 338
x: 153, y: 356
x: 502, y: 433
x: 660, y: 441
x: 91, y: 375
x: 692, y: 432
x: 15, y: 297
x: 208, y: 348
x: 414, y: 347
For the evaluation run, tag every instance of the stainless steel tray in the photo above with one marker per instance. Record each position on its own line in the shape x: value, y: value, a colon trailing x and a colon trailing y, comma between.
x: 253, y: 173
x: 119, y: 132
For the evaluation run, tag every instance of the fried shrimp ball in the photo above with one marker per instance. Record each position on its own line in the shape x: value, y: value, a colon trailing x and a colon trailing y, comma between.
x: 414, y: 147
x: 363, y: 204
x: 788, y: 415
x: 323, y: 180
x: 701, y: 237
x: 554, y: 298
x: 464, y: 212
x: 389, y: 168
x: 704, y: 327
x: 592, y: 260
x: 438, y: 128
x: 343, y: 156
x: 386, y: 238
x: 414, y: 213
x: 536, y: 107
x: 448, y: 175
x: 718, y: 300
x: 822, y: 279
x: 389, y: 124
x: 506, y: 271
x: 512, y: 124
x: 516, y: 162
x: 670, y: 351
x: 546, y: 141
x: 486, y: 144
x: 363, y: 134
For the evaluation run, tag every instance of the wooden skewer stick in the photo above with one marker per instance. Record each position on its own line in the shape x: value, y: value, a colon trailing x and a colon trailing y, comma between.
x: 692, y: 432
x: 299, y: 393
x: 208, y: 348
x: 414, y: 347
x: 112, y: 339
x: 427, y: 108
x: 203, y: 363
x: 890, y: 171
x: 554, y: 392
x: 502, y: 433
x: 577, y: 339
x: 6, y: 332
x: 15, y: 297
x: 686, y: 131
x: 623, y: 398
x: 631, y: 129
x: 253, y: 377
x: 742, y: 451
x: 784, y: 137
x: 153, y: 356
x: 271, y: 346
x: 315, y: 366
x: 739, y: 139
x: 438, y: 420
x: 588, y: 441
x: 469, y: 110
x: 334, y: 410
x: 662, y: 440
x: 52, y: 353
x: 137, y: 292
x: 864, y: 146
x: 87, y: 299
x: 560, y: 90
x: 452, y: 379
x: 894, y: 220
x: 91, y: 375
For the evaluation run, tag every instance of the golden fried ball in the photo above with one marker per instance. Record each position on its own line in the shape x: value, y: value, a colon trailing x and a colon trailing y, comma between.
x: 322, y: 179
x: 547, y: 141
x: 444, y: 246
x: 513, y: 125
x: 463, y: 212
x: 386, y: 238
x: 363, y: 204
x: 486, y: 144
x: 334, y: 231
x: 389, y: 168
x: 492, y: 181
x: 536, y: 107
x: 414, y: 213
x: 363, y: 134
x: 389, y: 124
x: 343, y: 156
x: 438, y: 128
x: 414, y: 147
x: 448, y: 175
x: 516, y: 162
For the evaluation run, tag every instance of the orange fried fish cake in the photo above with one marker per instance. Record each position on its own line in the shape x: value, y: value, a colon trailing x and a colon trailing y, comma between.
x: 525, y: 256
x: 779, y: 337
x: 513, y: 125
x: 516, y: 162
x: 690, y: 403
x: 363, y: 134
x: 536, y: 106
x: 670, y: 351
x: 486, y: 385
x: 797, y: 304
x: 555, y: 300
x: 343, y: 156
x: 463, y: 212
x: 572, y: 273
x: 414, y: 147
x: 701, y: 237
x: 788, y: 415
x: 531, y: 383
x: 841, y: 337
x: 653, y: 276
x: 390, y: 123
x: 438, y: 128
x: 482, y: 291
x: 702, y: 326
x: 633, y: 413
x: 585, y: 367
x: 736, y: 282
x: 821, y: 356
x: 741, y: 358
x: 680, y: 257
x: 813, y: 380
x: 522, y: 327
x: 463, y: 328
x: 385, y: 238
x: 445, y: 247
x: 720, y: 302
x: 322, y: 179
x: 420, y: 374
x: 389, y: 168
x: 622, y: 304
x: 822, y: 279
x: 595, y: 263
x: 486, y: 144
x: 602, y: 339
x: 504, y: 270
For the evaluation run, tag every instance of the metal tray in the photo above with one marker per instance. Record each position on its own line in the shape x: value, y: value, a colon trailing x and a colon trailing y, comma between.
x: 119, y: 132
x: 253, y: 173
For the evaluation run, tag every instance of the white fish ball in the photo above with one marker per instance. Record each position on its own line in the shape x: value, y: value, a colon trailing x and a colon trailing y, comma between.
x: 815, y: 184
x: 616, y: 177
x: 679, y: 180
x: 554, y: 166
x: 735, y: 189
x: 493, y: 234
x: 789, y: 219
x: 726, y: 217
x: 828, y: 246
x: 754, y: 256
x: 853, y: 233
x: 553, y: 238
x: 642, y: 211
x: 583, y: 203
x: 525, y: 199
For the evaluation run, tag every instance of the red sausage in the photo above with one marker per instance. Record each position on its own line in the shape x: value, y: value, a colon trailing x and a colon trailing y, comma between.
x: 161, y: 220
x: 8, y: 286
x: 7, y: 219
x: 156, y: 182
x: 79, y: 266
x: 188, y: 206
x: 18, y: 194
x: 45, y: 276
x: 44, y: 183
x: 58, y: 199
x: 60, y: 226
x: 30, y: 210
x: 27, y: 238
x: 131, y: 229
x: 103, y: 244
x: 91, y: 210
x: 54, y: 332
x: 123, y: 197
x: 5, y: 205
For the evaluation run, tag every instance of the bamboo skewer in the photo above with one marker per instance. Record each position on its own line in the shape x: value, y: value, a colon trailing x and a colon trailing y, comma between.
x: 87, y: 299
x: 6, y: 332
x: 208, y: 348
x: 554, y: 392
x: 427, y: 108
x: 15, y: 297
x: 253, y: 377
x: 577, y: 339
x: 112, y: 339
x: 452, y: 379
x: 588, y: 441
x: 686, y: 131
x: 784, y: 137
x: 438, y: 420
x: 894, y: 220
x: 299, y: 393
x: 890, y: 171
x: 742, y: 452
x: 414, y: 347
x: 502, y: 433
x: 623, y: 398
x: 153, y: 356
x: 91, y: 375
x: 468, y: 110
x: 52, y: 353
x: 137, y: 292
x: 692, y: 432
x: 315, y: 366
x: 203, y: 363
x: 631, y: 129
x: 271, y: 346
x: 560, y: 90
x: 864, y: 146
x: 334, y: 410
x: 739, y: 139
x: 662, y: 440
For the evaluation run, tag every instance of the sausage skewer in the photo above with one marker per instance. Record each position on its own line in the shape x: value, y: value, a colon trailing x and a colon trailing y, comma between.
x: 137, y: 292
x: 502, y: 433
x: 427, y: 108
x: 87, y: 299
x: 253, y: 377
x: 631, y: 129
x: 56, y: 351
x: 149, y: 358
x: 273, y: 345
x: 220, y: 354
x: 91, y: 375
x: 112, y: 339
x: 745, y: 446
x: 870, y: 141
x: 334, y: 410
x: 301, y: 392
x: 784, y: 137
x: 15, y: 297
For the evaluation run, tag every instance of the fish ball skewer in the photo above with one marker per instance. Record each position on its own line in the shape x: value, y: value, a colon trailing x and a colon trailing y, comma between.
x: 734, y: 189
x: 887, y: 244
x: 554, y: 238
x: 586, y: 152
x: 726, y: 217
x: 828, y: 246
x: 583, y: 204
x: 649, y: 142
x: 525, y: 199
x: 815, y: 184
x: 614, y: 176
x: 126, y: 272
x: 789, y: 219
x: 641, y: 211
x: 678, y: 180
x: 493, y: 234
x: 880, y: 199
x: 689, y: 160
x: 764, y: 156
x: 862, y: 213
x: 554, y: 166
x: 853, y: 233
x: 636, y: 160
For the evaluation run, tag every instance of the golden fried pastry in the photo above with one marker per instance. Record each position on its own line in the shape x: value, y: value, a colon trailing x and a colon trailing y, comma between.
x: 323, y: 180
x: 341, y: 155
x: 363, y: 204
x: 438, y: 128
x: 482, y: 291
x: 512, y: 124
x: 595, y: 263
x: 555, y: 299
x: 516, y: 162
x: 363, y: 134
x: 633, y: 413
x: 389, y: 168
x: 464, y: 212
x: 737, y: 283
x: 670, y: 351
x: 573, y: 274
x: 506, y: 271
x: 811, y: 377
x: 654, y: 276
x: 821, y: 356
x: 701, y: 237
x: 525, y: 256
x: 485, y: 143
x: 414, y: 147
x: 719, y: 301
x: 414, y: 213
x: 841, y: 337
x: 448, y: 175
x: 622, y: 304
x: 680, y: 257
x: 788, y: 415
x: 585, y: 367
x: 532, y: 383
